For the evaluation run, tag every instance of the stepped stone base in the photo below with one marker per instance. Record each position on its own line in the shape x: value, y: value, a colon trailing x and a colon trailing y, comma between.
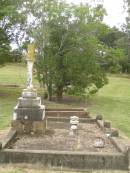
x: 29, y: 114
x: 29, y: 102
x: 32, y: 114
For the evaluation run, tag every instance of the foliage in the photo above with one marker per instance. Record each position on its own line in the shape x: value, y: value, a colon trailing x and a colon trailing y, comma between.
x: 114, y: 51
x: 67, y: 43
x: 10, y: 27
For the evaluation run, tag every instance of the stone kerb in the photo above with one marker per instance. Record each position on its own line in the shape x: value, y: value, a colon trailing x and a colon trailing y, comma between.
x: 79, y: 160
x: 66, y: 159
x: 8, y: 138
x: 106, y: 127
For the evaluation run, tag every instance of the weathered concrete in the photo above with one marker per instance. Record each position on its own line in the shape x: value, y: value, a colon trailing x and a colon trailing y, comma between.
x: 114, y: 132
x: 29, y: 102
x: 64, y: 122
x: 39, y: 127
x: 27, y: 112
x: 27, y: 126
x: 34, y: 113
x: 66, y: 113
x: 29, y: 93
x: 101, y: 124
x: 8, y: 138
x: 74, y: 160
x: 65, y: 109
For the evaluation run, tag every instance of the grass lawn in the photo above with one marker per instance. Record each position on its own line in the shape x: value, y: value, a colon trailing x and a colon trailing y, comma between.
x: 39, y: 169
x: 14, y: 74
x: 113, y: 102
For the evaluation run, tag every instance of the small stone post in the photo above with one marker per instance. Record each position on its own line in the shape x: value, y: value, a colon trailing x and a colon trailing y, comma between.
x: 128, y: 158
x: 74, y: 121
x: 0, y: 146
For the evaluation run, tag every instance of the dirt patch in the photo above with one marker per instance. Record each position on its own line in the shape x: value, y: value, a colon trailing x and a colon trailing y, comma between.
x: 59, y: 139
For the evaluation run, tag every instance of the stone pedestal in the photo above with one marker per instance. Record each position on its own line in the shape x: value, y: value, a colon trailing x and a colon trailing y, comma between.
x: 28, y: 113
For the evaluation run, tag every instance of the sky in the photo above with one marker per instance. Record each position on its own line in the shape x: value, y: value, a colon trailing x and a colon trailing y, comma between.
x: 115, y: 10
x: 116, y: 14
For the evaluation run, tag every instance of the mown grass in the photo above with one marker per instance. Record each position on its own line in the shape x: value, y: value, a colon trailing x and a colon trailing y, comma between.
x: 39, y: 169
x: 113, y: 102
x: 15, y: 74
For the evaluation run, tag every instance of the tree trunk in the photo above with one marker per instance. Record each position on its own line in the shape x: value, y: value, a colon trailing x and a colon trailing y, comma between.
x: 49, y: 88
x: 59, y: 93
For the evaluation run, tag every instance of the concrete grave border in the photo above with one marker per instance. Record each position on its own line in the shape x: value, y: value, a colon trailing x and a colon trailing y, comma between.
x: 72, y: 160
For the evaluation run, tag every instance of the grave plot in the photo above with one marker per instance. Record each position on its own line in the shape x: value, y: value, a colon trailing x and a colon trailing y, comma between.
x: 94, y: 145
x: 61, y: 140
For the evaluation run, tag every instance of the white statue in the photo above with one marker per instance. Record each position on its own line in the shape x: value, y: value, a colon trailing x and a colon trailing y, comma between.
x: 30, y: 74
x: 30, y: 62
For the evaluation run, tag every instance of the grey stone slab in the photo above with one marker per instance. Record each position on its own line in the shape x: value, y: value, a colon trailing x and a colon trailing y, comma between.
x: 34, y: 114
x: 29, y: 102
x: 66, y: 159
x: 8, y: 138
x: 29, y: 94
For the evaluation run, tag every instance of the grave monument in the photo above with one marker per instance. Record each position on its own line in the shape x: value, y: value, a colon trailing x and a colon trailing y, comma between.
x: 29, y: 114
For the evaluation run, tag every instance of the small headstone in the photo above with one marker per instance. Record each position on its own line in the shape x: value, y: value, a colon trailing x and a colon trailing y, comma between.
x: 73, y: 130
x: 74, y: 121
x: 114, y: 132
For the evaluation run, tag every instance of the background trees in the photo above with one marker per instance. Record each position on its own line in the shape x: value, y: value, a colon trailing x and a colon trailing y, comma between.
x: 10, y: 27
x: 74, y: 47
x: 67, y: 43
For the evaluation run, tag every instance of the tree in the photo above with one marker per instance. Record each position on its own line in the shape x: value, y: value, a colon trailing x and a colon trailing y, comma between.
x: 66, y: 46
x: 10, y: 27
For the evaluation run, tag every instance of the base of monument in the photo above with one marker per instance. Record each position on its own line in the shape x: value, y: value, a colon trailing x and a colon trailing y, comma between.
x: 31, y: 114
x: 29, y: 127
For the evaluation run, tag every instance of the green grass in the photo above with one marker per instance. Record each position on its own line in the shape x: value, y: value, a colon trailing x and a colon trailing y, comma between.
x: 113, y: 102
x: 39, y: 169
x: 8, y: 99
x: 14, y: 74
